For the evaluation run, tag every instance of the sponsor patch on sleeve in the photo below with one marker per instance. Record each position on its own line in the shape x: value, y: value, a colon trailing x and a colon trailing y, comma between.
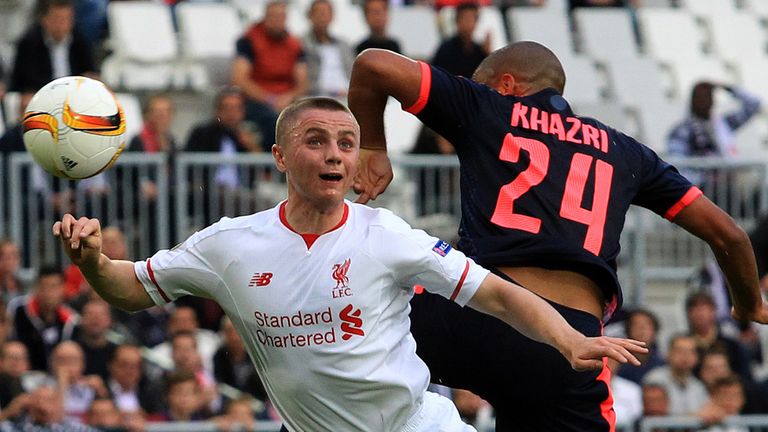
x: 441, y: 248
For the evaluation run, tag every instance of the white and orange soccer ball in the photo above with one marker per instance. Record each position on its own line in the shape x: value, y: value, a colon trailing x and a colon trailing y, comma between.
x: 74, y: 127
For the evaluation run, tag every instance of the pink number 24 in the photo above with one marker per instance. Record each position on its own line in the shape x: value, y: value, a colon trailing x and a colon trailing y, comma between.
x: 571, y: 205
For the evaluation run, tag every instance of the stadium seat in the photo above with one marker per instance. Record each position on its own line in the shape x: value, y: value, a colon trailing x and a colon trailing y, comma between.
x: 634, y: 80
x: 657, y: 120
x: 708, y: 7
x: 582, y: 81
x: 757, y: 7
x: 655, y: 3
x: 15, y: 19
x: 11, y: 102
x: 145, y: 47
x: 210, y: 45
x: 348, y: 22
x: 738, y: 38
x: 416, y: 28
x: 606, y: 33
x: 543, y: 26
x: 401, y: 128
x: 610, y: 113
x: 490, y: 21
x: 134, y: 119
x: 753, y: 76
x: 670, y: 35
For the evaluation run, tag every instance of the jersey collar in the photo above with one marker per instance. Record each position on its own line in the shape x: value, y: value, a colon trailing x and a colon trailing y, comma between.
x: 310, y: 238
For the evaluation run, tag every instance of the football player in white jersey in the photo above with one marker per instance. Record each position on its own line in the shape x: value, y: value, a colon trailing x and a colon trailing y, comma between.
x: 318, y: 287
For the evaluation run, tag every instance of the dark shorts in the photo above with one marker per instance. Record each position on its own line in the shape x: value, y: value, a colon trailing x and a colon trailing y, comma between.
x: 531, y: 386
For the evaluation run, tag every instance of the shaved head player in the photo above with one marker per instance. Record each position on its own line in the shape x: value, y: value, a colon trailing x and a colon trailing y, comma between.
x: 544, y: 194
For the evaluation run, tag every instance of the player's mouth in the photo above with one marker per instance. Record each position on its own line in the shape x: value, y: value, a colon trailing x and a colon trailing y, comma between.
x: 333, y: 177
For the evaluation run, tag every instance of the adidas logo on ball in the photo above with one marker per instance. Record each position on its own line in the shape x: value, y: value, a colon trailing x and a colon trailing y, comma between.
x: 68, y: 163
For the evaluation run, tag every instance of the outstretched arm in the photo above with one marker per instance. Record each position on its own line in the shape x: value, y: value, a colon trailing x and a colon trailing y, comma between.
x: 113, y: 280
x: 376, y: 75
x: 536, y: 319
x: 734, y: 253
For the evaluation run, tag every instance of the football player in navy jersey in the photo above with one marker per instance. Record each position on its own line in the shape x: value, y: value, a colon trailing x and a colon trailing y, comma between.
x: 544, y: 198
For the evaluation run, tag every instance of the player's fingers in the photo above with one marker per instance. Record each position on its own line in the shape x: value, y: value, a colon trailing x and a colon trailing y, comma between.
x: 66, y: 225
x: 56, y: 228
x: 76, y: 229
x: 363, y: 198
x: 631, y: 345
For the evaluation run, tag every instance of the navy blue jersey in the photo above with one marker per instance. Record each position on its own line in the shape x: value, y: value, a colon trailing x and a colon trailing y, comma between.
x: 541, y: 186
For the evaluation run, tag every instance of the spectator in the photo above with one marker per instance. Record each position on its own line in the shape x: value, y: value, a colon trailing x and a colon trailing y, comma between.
x: 460, y: 54
x: 183, y: 398
x: 186, y: 357
x: 103, y: 414
x: 329, y: 60
x: 269, y: 67
x: 232, y: 366
x: 67, y: 366
x: 14, y: 363
x: 726, y: 399
x: 227, y: 134
x: 41, y: 320
x: 13, y: 138
x: 687, y: 395
x: 377, y: 17
x: 10, y: 284
x: 655, y: 400
x: 237, y: 416
x: 704, y: 133
x: 91, y: 335
x: 51, y: 49
x: 155, y: 137
x: 128, y: 385
x: 184, y: 319
x: 45, y: 412
x: 642, y: 325
x: 627, y: 397
x: 715, y: 366
x: 91, y: 20
x: 703, y: 327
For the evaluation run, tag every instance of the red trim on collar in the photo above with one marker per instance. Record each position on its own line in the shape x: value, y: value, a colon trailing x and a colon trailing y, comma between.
x: 310, y: 238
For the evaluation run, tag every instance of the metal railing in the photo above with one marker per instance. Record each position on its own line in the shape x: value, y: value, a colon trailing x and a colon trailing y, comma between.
x: 158, y: 204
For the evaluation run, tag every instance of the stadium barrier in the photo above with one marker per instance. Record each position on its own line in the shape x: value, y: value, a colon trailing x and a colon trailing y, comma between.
x: 158, y: 203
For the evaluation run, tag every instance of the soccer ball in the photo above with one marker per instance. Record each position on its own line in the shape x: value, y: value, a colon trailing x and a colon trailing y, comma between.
x: 74, y: 127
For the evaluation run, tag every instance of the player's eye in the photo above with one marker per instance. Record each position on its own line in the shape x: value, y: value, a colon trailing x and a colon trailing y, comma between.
x: 346, y: 145
x: 314, y: 141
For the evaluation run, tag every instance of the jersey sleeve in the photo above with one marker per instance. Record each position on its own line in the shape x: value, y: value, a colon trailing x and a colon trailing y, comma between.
x: 447, y: 104
x: 663, y: 189
x: 416, y: 258
x: 183, y: 270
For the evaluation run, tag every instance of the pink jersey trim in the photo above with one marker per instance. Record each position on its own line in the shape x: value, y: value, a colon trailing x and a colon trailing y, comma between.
x: 424, y: 87
x: 684, y: 202
x: 154, y: 281
x: 310, y: 238
x: 461, y: 282
x: 606, y: 406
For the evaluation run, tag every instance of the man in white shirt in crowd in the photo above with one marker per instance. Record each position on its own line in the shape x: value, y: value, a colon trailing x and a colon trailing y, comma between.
x: 329, y: 59
x: 319, y: 288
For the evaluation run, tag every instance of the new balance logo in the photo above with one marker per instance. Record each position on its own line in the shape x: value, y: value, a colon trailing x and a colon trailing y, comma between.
x: 260, y: 279
x: 68, y: 163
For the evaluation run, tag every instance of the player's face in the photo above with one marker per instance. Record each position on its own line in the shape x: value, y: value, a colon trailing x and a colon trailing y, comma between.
x: 58, y: 22
x: 320, y: 156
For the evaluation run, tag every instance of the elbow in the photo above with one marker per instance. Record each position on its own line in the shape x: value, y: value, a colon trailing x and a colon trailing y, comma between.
x: 729, y: 238
x: 371, y: 64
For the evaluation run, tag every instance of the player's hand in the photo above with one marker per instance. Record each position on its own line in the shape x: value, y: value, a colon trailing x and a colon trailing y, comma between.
x: 758, y: 315
x: 587, y: 353
x: 80, y: 238
x: 373, y: 176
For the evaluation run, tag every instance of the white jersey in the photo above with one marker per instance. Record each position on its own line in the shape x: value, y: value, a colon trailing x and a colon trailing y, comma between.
x: 325, y: 319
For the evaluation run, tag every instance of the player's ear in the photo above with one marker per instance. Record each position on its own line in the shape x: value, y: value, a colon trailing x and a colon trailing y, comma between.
x: 277, y: 153
x: 507, y: 84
